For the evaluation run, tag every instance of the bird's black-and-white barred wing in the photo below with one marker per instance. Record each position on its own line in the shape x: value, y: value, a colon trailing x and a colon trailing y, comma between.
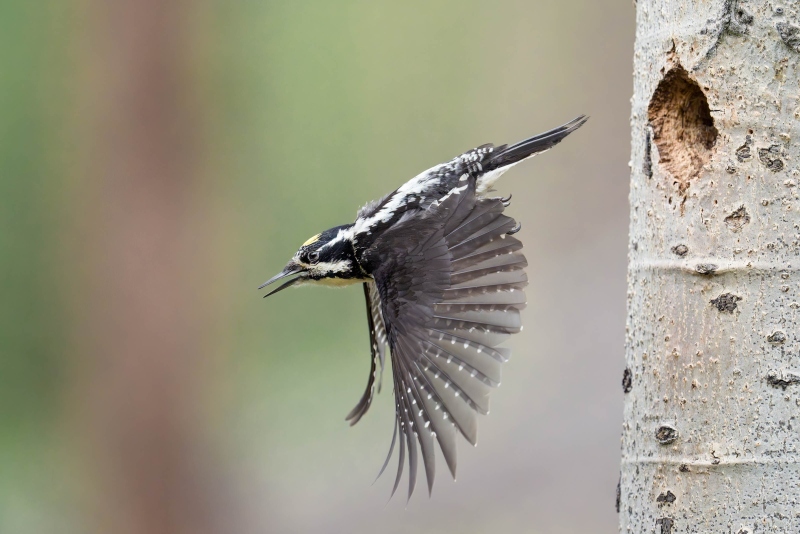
x: 450, y: 285
x: 486, y: 163
x: 377, y: 344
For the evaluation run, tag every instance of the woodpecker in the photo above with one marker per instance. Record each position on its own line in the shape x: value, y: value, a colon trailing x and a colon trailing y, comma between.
x: 443, y: 280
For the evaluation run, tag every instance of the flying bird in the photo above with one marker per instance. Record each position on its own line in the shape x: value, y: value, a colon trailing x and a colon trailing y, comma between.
x: 443, y: 280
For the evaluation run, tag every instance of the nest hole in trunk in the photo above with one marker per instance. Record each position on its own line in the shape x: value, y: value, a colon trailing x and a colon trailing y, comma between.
x: 683, y: 129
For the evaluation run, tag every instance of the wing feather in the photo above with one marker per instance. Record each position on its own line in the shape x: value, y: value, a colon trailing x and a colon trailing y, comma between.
x: 422, y: 421
x: 402, y: 454
x: 505, y: 322
x: 407, y: 426
x: 492, y: 249
x: 377, y: 339
x: 487, y: 234
x: 476, y: 365
x: 449, y: 286
x: 391, y: 450
x: 454, y: 373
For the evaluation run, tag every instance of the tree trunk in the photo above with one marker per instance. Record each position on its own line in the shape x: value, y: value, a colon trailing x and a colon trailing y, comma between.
x: 711, y: 434
x: 143, y: 333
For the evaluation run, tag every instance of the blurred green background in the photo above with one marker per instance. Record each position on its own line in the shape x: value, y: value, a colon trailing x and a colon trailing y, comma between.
x: 159, y: 160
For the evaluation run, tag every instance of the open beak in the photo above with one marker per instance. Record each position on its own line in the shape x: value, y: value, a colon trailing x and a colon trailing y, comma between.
x: 290, y: 269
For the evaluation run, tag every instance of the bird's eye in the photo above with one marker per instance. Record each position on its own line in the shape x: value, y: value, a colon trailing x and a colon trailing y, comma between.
x: 313, y: 256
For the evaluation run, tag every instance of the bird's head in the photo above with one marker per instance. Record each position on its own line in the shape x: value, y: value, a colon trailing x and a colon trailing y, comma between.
x: 327, y: 258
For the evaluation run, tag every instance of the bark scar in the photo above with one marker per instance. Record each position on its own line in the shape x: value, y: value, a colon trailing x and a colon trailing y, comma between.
x: 782, y: 379
x: 726, y: 302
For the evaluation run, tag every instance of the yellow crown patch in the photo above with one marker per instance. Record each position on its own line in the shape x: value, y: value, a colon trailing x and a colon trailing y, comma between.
x: 312, y: 239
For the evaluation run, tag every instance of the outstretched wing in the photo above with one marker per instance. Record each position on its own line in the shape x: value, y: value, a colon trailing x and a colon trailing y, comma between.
x: 377, y: 344
x: 450, y: 285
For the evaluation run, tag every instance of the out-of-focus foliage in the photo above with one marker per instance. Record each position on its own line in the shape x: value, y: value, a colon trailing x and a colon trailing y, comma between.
x: 32, y: 333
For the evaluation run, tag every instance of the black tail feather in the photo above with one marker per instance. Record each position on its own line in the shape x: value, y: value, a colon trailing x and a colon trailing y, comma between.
x: 504, y: 156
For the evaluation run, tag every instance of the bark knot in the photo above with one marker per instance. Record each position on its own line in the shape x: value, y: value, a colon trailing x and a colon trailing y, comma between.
x: 771, y: 157
x: 743, y: 153
x: 627, y: 380
x: 666, y: 434
x: 736, y: 220
x: 666, y: 497
x: 706, y: 268
x: 738, y: 18
x: 790, y: 35
x: 726, y: 302
x: 680, y: 250
x: 666, y: 524
x: 782, y: 380
x: 776, y: 338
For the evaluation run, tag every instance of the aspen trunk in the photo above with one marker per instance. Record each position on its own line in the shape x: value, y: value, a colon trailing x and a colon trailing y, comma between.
x: 711, y: 432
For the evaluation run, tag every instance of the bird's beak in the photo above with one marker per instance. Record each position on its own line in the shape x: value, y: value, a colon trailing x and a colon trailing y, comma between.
x: 290, y: 269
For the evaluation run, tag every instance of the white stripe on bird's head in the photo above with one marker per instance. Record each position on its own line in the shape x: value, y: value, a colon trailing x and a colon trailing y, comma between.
x: 326, y: 273
x: 331, y: 267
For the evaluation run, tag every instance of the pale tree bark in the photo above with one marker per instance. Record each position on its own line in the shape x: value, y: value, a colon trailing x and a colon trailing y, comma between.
x: 711, y: 433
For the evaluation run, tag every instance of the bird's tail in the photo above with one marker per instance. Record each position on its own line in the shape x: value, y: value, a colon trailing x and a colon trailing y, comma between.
x: 504, y: 156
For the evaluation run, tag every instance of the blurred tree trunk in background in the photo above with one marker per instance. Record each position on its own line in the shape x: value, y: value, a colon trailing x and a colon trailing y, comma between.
x: 710, y: 435
x: 144, y: 338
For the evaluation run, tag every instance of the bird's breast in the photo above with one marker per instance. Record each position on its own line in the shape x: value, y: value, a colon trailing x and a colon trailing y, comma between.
x: 338, y: 282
